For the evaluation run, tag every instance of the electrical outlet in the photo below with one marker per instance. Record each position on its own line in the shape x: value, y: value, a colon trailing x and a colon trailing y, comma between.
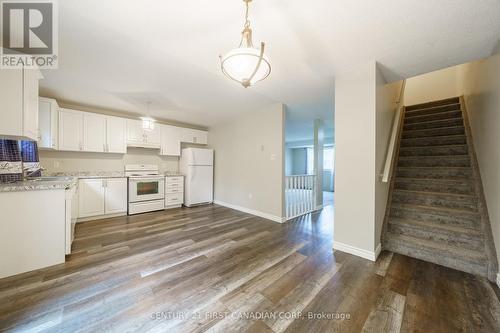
x: 273, y: 157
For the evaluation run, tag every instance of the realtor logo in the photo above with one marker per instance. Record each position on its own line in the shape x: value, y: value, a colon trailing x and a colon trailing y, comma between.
x: 29, y: 34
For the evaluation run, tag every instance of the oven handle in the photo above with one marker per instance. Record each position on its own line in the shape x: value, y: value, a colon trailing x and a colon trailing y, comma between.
x: 141, y: 180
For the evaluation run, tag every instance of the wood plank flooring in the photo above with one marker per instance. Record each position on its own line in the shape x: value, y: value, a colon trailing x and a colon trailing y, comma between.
x: 218, y: 270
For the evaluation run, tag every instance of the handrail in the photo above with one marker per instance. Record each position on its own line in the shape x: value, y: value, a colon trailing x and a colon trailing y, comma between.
x: 394, y: 135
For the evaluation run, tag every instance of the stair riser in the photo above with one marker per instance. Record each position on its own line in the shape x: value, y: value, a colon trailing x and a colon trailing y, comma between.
x: 433, y: 200
x: 434, y: 141
x: 433, y: 151
x: 456, y: 239
x: 464, y: 220
x: 454, y: 161
x: 436, y: 173
x: 409, y: 119
x: 435, y: 104
x: 428, y: 255
x: 434, y: 124
x: 434, y: 186
x: 433, y: 132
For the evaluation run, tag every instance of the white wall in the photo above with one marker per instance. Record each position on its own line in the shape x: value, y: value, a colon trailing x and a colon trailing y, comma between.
x: 481, y: 89
x: 433, y: 86
x: 249, y: 161
x: 364, y: 112
x: 355, y: 126
x: 387, y: 95
x: 78, y: 161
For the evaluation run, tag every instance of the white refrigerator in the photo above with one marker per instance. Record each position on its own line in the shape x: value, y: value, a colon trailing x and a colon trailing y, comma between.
x: 197, y: 165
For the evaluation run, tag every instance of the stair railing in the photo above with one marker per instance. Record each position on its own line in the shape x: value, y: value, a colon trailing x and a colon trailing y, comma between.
x: 300, y: 195
x: 396, y: 124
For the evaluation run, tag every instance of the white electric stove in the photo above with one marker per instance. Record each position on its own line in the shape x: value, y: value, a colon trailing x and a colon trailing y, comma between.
x: 146, y: 188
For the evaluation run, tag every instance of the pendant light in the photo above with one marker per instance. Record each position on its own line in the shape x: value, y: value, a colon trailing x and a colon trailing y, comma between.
x: 246, y: 64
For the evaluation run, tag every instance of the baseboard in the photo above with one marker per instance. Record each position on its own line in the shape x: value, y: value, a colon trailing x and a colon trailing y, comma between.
x: 498, y: 280
x: 267, y: 216
x: 99, y: 217
x: 370, y: 255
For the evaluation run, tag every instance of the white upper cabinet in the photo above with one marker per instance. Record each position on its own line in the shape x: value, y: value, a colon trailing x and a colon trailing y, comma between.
x: 170, y: 140
x: 19, y: 103
x: 91, y: 132
x: 138, y: 137
x: 116, y: 135
x: 94, y: 132
x: 70, y: 130
x: 48, y: 113
x: 134, y: 132
x: 194, y: 136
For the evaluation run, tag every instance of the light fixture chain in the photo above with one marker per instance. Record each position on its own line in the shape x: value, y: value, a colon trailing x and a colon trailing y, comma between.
x: 247, y: 21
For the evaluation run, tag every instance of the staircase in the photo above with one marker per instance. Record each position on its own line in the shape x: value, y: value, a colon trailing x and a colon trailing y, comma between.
x: 435, y: 212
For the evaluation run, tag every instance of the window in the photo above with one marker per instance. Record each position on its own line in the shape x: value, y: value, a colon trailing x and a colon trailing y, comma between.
x: 328, y: 159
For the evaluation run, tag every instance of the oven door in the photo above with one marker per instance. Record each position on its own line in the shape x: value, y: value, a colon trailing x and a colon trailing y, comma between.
x: 145, y: 189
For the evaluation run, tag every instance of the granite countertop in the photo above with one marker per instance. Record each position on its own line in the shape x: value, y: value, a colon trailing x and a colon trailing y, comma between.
x: 39, y: 185
x: 90, y: 174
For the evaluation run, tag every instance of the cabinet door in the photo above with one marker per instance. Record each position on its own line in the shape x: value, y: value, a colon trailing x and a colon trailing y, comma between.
x: 187, y: 135
x: 94, y: 132
x: 115, y: 195
x: 30, y: 102
x: 170, y: 141
x: 153, y: 138
x: 134, y: 132
x: 70, y: 130
x: 116, y: 135
x: 90, y: 197
x: 11, y: 102
x: 200, y: 137
x: 47, y: 123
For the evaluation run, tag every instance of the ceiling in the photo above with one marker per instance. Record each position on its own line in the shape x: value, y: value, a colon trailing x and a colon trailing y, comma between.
x: 117, y: 55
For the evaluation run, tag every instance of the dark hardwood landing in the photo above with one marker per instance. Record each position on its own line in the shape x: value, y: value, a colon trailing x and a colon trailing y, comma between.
x: 215, y: 269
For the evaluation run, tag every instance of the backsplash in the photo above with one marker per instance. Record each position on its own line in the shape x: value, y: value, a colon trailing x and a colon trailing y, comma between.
x: 62, y: 161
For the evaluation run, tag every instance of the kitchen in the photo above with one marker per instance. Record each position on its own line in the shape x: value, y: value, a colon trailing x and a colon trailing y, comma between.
x: 93, y: 166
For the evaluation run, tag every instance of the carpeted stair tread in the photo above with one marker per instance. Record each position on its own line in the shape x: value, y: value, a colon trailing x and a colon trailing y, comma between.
x: 439, y: 185
x: 461, y: 149
x: 436, y: 199
x: 434, y: 132
x: 434, y: 172
x: 433, y: 124
x: 432, y: 110
x: 427, y: 105
x: 437, y: 226
x: 444, y: 210
x: 434, y: 141
x: 467, y: 238
x: 430, y: 161
x: 470, y: 261
x: 446, y: 115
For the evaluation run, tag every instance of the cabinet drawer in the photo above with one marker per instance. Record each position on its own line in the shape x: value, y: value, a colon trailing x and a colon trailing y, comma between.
x: 174, y: 190
x: 174, y: 199
x: 171, y: 180
x: 174, y: 185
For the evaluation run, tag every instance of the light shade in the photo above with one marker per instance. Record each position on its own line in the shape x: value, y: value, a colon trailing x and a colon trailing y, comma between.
x: 148, y: 124
x: 241, y: 63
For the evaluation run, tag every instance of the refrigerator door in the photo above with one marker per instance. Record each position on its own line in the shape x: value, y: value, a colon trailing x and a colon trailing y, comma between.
x: 199, y: 185
x: 199, y: 156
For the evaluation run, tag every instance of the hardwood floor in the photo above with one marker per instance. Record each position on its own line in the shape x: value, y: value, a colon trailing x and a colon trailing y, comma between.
x: 215, y: 269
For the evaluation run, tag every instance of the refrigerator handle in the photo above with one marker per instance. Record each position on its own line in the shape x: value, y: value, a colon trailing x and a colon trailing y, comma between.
x: 192, y: 175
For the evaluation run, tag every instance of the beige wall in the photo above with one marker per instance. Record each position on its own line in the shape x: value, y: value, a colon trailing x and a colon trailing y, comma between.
x: 481, y: 88
x: 77, y: 161
x: 433, y: 86
x: 355, y: 98
x: 387, y: 95
x: 249, y: 161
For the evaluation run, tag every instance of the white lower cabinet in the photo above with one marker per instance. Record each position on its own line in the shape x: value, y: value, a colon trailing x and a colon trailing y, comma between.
x: 174, y: 191
x: 115, y: 196
x: 102, y: 196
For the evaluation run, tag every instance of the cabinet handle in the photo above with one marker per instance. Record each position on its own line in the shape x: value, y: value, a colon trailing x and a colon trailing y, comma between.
x: 81, y: 146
